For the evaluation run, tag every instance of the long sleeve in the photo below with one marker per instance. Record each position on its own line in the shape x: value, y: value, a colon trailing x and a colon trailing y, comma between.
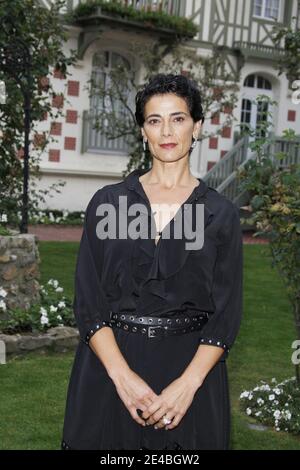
x: 227, y: 287
x: 91, y: 308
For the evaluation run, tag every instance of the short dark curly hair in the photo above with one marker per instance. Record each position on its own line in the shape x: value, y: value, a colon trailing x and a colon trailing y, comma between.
x: 180, y: 85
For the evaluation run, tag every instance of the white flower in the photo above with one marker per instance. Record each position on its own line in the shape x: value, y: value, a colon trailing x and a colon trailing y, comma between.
x: 3, y: 292
x: 288, y: 414
x: 260, y: 401
x: 273, y: 380
x: 3, y: 218
x: 59, y: 289
x: 265, y: 388
x: 271, y: 397
x: 53, y: 309
x: 61, y: 304
x: 44, y: 316
x: 277, y: 429
x: 53, y: 282
x: 277, y: 414
x: 59, y: 317
x: 244, y: 394
x: 277, y: 391
x: 250, y: 396
x: 248, y: 411
x: 258, y: 413
x: 2, y: 305
x: 44, y: 320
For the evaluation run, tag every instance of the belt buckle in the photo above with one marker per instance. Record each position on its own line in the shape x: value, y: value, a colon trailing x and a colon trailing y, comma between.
x: 151, y: 332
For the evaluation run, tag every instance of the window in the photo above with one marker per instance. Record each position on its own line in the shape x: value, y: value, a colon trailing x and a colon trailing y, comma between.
x: 249, y: 81
x: 261, y: 119
x: 103, y: 63
x: 106, y: 98
x: 267, y: 9
x: 257, y: 81
x: 246, y: 111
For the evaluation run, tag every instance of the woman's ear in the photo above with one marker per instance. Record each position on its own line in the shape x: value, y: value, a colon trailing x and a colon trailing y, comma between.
x: 197, y: 128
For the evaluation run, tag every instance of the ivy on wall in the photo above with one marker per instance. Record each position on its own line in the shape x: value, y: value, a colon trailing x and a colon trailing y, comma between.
x: 153, y: 19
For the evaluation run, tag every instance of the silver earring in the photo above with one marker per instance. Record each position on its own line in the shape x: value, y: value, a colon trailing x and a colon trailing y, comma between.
x: 194, y: 143
x: 144, y: 144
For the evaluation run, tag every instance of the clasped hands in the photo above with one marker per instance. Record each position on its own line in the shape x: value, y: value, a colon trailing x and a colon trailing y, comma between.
x: 173, y: 401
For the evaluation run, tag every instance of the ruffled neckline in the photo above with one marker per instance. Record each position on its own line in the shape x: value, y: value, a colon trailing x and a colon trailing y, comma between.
x: 152, y: 264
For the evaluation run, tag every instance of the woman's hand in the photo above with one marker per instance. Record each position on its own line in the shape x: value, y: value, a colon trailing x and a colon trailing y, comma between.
x: 135, y: 393
x: 173, y: 402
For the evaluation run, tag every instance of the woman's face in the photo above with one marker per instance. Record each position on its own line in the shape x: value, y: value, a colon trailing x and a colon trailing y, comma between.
x: 168, y: 120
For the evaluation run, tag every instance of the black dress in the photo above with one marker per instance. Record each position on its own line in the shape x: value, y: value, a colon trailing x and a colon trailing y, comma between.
x: 135, y: 275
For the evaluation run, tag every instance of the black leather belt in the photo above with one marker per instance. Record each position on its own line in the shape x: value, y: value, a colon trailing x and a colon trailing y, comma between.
x: 158, y: 326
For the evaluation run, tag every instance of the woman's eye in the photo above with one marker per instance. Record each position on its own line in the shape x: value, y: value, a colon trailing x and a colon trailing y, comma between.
x: 153, y: 121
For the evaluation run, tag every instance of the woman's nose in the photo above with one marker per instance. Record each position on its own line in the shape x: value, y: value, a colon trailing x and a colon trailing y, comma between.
x: 166, y: 129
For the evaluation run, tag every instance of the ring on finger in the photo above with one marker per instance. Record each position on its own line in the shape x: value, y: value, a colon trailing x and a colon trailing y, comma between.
x: 166, y: 420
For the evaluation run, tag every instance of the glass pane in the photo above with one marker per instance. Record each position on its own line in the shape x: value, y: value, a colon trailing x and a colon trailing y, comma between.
x: 246, y: 111
x: 98, y: 82
x: 117, y: 60
x: 104, y: 62
x: 258, y: 7
x: 268, y: 85
x: 272, y: 8
x: 249, y: 81
x: 262, y: 117
x: 100, y: 59
x: 263, y: 83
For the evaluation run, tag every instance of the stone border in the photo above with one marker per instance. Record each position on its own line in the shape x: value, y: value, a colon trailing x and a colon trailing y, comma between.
x: 58, y: 339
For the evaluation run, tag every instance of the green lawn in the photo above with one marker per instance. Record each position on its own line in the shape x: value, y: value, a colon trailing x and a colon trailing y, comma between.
x: 33, y: 388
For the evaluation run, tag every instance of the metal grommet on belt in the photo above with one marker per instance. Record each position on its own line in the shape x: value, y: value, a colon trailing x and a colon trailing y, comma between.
x: 155, y: 326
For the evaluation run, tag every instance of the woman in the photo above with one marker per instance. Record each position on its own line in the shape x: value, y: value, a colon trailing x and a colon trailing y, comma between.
x: 157, y: 317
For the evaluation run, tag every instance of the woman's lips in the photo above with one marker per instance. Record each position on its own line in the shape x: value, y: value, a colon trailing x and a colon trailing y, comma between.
x: 168, y: 146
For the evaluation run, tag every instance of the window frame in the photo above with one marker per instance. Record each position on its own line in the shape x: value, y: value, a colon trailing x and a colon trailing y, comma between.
x: 267, y: 18
x: 92, y: 106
